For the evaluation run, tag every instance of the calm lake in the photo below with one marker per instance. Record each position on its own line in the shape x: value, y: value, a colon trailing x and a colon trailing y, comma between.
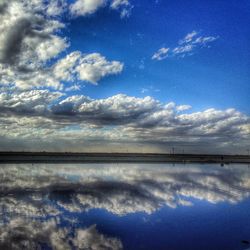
x: 125, y: 206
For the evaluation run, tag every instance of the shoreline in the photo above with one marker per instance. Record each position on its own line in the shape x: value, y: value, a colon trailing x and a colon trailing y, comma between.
x: 57, y: 157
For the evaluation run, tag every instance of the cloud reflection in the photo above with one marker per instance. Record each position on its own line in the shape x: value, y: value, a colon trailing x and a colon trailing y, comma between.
x: 30, y: 235
x: 119, y: 189
x: 38, y: 196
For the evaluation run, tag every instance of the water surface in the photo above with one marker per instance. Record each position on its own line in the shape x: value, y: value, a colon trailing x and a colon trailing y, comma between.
x: 125, y: 206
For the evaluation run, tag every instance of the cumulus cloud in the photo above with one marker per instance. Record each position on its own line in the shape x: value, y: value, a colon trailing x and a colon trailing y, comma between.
x: 56, y: 7
x: 30, y: 39
x: 183, y: 108
x: 187, y: 46
x: 93, y: 67
x: 85, y: 7
x: 64, y: 69
x: 28, y: 101
x: 118, y: 119
x: 88, y: 7
x: 85, y: 67
x: 115, y: 110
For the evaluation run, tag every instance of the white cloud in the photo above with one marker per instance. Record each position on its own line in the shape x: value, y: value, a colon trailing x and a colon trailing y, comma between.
x: 183, y: 49
x: 189, y: 37
x: 64, y: 69
x: 88, y: 7
x: 56, y: 7
x: 28, y: 101
x: 124, y: 6
x: 187, y: 46
x: 86, y: 67
x: 49, y: 49
x: 183, y: 108
x: 192, y: 42
x: 205, y: 40
x: 29, y: 40
x: 120, y: 105
x: 149, y: 89
x: 73, y: 88
x: 161, y: 54
x: 24, y: 29
x: 93, y: 67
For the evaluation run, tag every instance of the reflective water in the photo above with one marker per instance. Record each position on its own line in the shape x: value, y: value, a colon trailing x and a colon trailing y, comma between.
x: 124, y: 206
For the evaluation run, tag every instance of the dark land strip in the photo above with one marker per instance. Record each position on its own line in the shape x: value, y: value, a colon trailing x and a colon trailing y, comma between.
x: 64, y: 157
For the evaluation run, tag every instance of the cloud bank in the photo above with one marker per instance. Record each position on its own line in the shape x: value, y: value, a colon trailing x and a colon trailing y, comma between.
x: 51, y: 116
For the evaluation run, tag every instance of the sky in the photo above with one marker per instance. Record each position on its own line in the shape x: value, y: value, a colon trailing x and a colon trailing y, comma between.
x: 125, y: 76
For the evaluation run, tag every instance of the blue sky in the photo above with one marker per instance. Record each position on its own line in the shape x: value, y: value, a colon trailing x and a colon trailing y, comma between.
x: 206, y: 79
x: 132, y: 75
